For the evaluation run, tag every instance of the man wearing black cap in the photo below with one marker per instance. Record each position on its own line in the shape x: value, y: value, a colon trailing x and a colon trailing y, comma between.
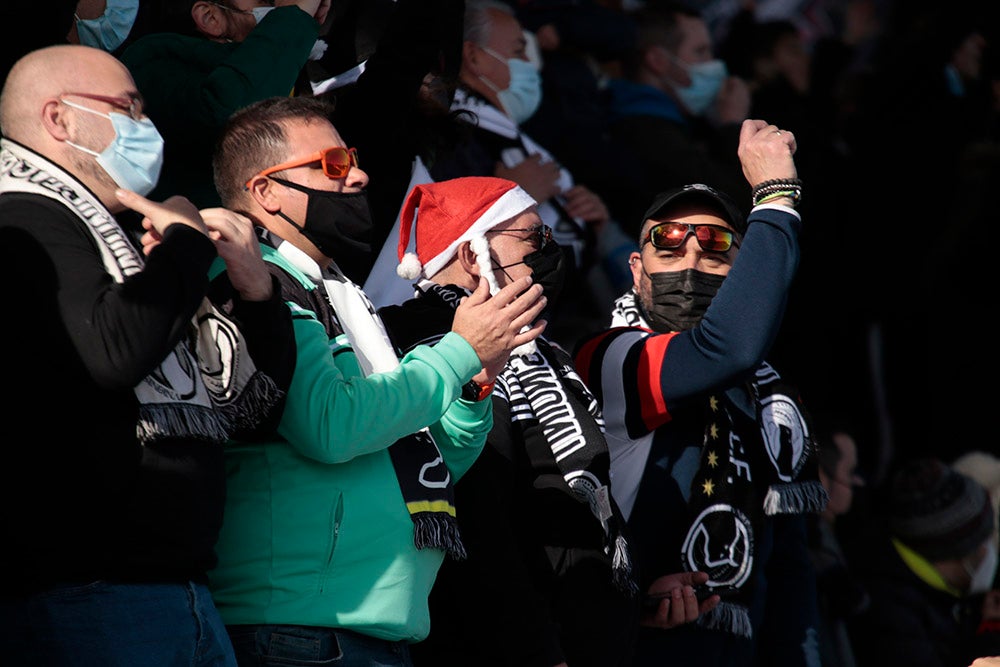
x: 711, y: 456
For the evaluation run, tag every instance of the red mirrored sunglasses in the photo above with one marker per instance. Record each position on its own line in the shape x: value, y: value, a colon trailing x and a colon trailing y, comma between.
x: 672, y: 235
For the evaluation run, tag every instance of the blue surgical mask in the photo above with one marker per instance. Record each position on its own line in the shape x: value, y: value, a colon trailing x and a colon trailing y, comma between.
x: 521, y: 98
x: 109, y: 30
x: 706, y: 80
x: 134, y: 158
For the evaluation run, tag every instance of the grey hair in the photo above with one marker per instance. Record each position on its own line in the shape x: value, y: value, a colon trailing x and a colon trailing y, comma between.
x: 478, y: 22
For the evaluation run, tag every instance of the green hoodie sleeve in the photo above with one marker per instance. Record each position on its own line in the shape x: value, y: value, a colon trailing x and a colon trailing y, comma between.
x: 334, y: 414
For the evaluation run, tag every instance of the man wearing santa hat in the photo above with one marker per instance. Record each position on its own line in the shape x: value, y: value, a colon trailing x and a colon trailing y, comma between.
x: 546, y: 552
x: 335, y: 528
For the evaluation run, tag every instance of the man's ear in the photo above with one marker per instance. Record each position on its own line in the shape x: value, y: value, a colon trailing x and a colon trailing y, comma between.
x: 656, y: 59
x: 635, y: 266
x: 264, y: 191
x: 55, y: 119
x: 209, y: 19
x: 467, y: 258
x: 470, y: 57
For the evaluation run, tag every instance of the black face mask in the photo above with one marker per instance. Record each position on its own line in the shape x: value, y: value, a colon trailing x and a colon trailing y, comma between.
x: 679, y: 299
x: 338, y: 223
x: 548, y: 269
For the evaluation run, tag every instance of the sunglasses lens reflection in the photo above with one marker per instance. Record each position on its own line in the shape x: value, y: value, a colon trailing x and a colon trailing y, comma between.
x: 338, y: 161
x: 672, y: 235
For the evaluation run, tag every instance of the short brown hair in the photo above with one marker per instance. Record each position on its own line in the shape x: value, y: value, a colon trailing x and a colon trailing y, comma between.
x: 254, y: 139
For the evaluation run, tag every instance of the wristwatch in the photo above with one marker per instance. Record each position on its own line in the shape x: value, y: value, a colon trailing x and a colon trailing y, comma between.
x: 473, y: 391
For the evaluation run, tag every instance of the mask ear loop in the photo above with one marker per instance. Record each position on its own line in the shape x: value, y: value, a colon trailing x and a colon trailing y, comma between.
x: 481, y: 247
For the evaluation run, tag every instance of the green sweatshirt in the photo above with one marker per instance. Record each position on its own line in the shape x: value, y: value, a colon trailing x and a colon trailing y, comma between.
x: 316, y: 531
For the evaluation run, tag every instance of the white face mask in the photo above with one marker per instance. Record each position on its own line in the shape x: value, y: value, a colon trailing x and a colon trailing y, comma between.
x: 981, y: 578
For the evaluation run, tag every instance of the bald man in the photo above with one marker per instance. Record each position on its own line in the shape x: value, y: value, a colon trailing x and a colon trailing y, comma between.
x: 124, y: 379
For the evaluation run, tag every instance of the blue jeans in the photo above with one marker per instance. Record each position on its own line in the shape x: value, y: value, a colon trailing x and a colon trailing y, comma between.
x: 306, y: 646
x: 104, y: 624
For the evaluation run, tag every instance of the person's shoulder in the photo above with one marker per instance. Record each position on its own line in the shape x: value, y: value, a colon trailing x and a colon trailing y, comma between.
x: 158, y: 45
x: 34, y: 213
x: 594, y: 343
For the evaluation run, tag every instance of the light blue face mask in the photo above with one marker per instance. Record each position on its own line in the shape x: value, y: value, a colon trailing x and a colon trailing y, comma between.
x: 109, y: 30
x: 706, y: 80
x: 134, y: 158
x: 522, y: 97
x: 260, y: 12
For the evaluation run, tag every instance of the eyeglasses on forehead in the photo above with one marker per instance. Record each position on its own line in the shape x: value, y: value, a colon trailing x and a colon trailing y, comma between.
x: 672, y: 235
x: 130, y: 106
x: 336, y: 162
x: 543, y: 233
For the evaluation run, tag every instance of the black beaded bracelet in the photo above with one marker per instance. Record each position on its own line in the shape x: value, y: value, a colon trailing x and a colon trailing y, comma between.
x: 788, y: 187
x: 781, y: 183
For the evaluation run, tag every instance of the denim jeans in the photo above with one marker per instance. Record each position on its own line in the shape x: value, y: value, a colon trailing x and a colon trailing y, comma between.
x: 306, y: 646
x: 104, y: 624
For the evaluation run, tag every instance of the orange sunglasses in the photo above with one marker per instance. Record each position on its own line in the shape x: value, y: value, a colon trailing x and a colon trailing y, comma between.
x: 336, y: 161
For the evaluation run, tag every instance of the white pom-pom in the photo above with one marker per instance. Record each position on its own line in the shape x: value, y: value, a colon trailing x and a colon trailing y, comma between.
x: 409, y: 267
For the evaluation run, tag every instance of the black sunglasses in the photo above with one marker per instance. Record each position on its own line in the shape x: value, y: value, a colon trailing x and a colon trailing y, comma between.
x: 672, y: 235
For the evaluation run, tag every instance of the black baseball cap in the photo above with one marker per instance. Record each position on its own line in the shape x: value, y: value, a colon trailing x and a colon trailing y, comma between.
x: 720, y: 202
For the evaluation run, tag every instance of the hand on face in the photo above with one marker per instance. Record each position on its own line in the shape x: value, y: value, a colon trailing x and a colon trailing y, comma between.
x: 493, y: 325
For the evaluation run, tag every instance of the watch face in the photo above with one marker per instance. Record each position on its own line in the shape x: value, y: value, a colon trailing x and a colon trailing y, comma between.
x: 473, y: 391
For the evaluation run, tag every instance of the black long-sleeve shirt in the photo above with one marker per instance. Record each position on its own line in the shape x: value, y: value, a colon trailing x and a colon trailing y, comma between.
x: 80, y: 498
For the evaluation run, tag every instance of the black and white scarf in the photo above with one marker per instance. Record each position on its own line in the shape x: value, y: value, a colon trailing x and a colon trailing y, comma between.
x: 751, y: 466
x: 423, y: 476
x: 207, y: 387
x: 543, y: 385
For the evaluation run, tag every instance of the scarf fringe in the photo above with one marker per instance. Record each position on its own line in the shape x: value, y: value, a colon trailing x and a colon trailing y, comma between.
x: 437, y: 531
x: 795, y: 498
x: 253, y: 404
x: 733, y: 618
x: 621, y: 568
x: 166, y: 420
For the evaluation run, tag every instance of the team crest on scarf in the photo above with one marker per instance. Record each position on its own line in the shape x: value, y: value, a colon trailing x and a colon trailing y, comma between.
x: 720, y: 542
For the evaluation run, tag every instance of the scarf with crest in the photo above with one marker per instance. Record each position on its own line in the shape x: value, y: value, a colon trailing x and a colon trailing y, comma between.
x: 542, y: 386
x: 750, y: 467
x: 423, y: 476
x: 207, y: 387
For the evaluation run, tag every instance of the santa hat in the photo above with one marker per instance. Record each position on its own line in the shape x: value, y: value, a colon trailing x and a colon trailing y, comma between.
x: 450, y: 213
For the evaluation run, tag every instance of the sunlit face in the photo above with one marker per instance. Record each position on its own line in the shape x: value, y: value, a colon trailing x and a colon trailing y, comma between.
x: 109, y: 79
x: 506, y: 41
x: 304, y: 139
x: 690, y: 255
x: 510, y: 241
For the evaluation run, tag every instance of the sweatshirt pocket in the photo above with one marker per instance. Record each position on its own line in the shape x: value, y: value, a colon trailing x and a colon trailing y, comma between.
x: 335, y: 521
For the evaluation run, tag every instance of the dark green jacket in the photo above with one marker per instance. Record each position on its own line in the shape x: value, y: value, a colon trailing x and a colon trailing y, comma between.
x: 191, y: 85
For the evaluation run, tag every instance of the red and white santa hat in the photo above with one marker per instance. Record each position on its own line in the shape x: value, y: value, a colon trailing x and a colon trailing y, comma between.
x: 450, y: 213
